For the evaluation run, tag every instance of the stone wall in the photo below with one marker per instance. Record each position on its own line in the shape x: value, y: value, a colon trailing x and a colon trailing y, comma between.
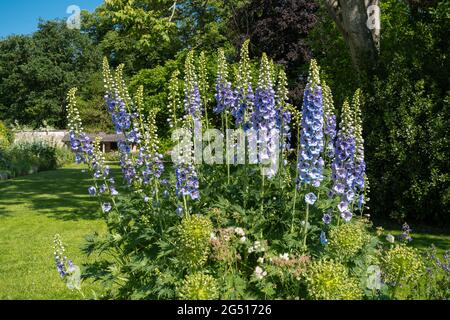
x: 54, y: 137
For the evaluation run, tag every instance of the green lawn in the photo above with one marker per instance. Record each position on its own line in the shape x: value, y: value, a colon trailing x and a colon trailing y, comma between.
x: 32, y: 210
x: 423, y: 236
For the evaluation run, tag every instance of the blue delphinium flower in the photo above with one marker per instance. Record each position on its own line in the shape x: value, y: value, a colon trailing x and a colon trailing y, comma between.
x: 310, y: 198
x: 359, y: 168
x: 113, y: 191
x: 92, y: 191
x: 346, y: 215
x: 225, y: 95
x: 245, y: 97
x: 106, y: 207
x: 264, y: 115
x: 310, y: 162
x: 406, y: 230
x: 327, y: 218
x: 342, y: 206
x: 342, y: 166
x: 264, y: 118
x: 187, y: 182
x: 192, y: 100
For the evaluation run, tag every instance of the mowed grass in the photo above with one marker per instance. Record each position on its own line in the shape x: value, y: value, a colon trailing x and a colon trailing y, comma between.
x: 423, y: 237
x: 32, y: 210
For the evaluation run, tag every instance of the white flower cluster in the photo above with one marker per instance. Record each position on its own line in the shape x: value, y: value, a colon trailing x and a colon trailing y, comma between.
x: 260, y: 273
x: 284, y: 256
x: 256, y: 247
x: 240, y: 232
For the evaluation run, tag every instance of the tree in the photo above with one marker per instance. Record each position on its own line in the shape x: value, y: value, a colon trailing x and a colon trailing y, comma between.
x: 280, y: 29
x: 37, y: 71
x: 360, y: 33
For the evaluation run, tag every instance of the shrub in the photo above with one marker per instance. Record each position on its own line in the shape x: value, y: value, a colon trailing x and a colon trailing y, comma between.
x: 329, y: 280
x: 6, y: 136
x: 401, y: 264
x: 24, y: 158
x: 347, y: 240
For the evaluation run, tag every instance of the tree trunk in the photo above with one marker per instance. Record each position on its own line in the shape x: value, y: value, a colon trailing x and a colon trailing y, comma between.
x: 358, y: 21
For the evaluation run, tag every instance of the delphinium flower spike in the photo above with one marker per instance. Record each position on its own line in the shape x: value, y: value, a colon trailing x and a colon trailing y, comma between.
x: 203, y: 85
x: 244, y: 91
x: 329, y: 122
x: 264, y: 116
x: 89, y: 152
x: 284, y: 115
x: 187, y: 185
x: 310, y: 163
x: 192, y: 100
x: 174, y: 99
x: 343, y: 163
x: 149, y: 160
x: 359, y: 162
x: 225, y: 96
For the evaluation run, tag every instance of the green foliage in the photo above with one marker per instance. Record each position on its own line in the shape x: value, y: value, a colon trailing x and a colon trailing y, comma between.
x: 24, y: 158
x: 6, y: 136
x: 329, y: 280
x: 405, y: 106
x: 199, y: 286
x: 37, y: 71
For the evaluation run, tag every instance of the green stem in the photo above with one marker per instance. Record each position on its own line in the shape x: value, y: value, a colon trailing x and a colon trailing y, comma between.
x: 185, y: 205
x: 262, y: 194
x: 306, y: 226
x: 293, y: 207
x: 228, y: 160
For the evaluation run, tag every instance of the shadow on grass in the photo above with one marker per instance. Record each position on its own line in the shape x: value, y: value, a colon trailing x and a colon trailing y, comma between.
x: 60, y: 194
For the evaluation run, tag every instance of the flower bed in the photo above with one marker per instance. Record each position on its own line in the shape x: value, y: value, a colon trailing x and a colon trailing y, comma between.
x: 285, y: 221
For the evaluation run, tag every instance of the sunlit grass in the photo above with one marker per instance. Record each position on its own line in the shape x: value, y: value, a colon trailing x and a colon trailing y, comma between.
x: 32, y: 210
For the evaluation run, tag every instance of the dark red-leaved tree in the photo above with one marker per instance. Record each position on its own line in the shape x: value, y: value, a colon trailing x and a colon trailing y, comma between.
x: 279, y: 28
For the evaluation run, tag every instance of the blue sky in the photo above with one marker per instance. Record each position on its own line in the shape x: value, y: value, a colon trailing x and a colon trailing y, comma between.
x: 21, y: 16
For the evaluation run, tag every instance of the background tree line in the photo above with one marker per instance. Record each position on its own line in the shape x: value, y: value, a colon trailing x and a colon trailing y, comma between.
x: 403, y: 72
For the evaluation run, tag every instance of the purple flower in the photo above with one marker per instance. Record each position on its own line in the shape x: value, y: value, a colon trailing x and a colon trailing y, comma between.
x: 310, y: 198
x: 187, y: 182
x: 179, y: 210
x: 310, y: 163
x: 326, y: 218
x: 343, y: 206
x: 405, y: 236
x: 113, y: 191
x: 92, y: 191
x: 346, y: 215
x: 106, y: 207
